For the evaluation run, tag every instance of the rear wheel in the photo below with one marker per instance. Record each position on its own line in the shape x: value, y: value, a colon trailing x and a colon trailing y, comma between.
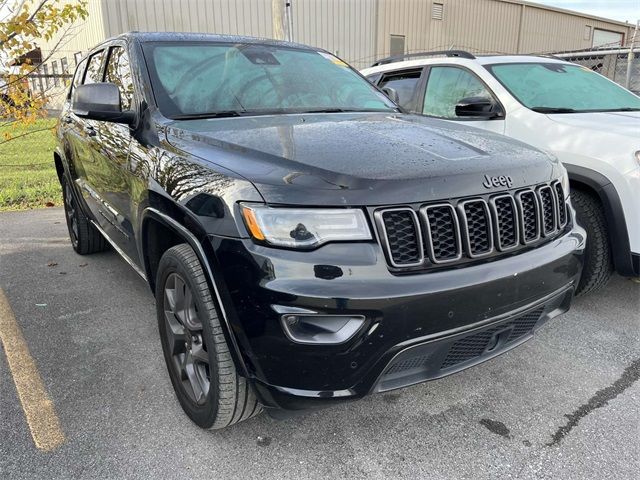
x: 598, y: 265
x: 200, y: 366
x: 85, y: 239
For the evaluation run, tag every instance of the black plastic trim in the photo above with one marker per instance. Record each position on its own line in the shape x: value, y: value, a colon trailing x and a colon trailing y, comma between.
x: 192, y: 240
x: 446, y: 53
x: 614, y: 215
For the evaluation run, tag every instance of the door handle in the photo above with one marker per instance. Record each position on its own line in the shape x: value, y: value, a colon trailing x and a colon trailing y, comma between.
x: 89, y: 130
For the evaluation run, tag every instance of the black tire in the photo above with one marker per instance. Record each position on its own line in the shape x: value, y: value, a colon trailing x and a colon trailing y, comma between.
x: 598, y: 263
x: 201, y: 369
x: 85, y: 239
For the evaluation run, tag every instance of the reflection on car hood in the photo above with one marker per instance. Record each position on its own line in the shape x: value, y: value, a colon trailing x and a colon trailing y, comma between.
x: 290, y: 157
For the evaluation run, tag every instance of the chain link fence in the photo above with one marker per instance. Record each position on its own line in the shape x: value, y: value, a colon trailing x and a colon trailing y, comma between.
x: 622, y: 65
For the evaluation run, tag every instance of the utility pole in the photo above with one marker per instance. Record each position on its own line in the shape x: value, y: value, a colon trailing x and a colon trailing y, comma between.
x: 631, y: 55
x: 282, y: 14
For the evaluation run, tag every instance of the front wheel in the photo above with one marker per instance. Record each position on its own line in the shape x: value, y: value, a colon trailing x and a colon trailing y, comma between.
x: 200, y: 366
x: 598, y: 264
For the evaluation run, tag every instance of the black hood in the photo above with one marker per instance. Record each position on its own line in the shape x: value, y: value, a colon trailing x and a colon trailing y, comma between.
x: 360, y: 159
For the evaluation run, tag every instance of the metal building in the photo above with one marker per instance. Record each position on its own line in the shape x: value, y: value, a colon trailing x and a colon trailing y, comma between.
x: 358, y: 31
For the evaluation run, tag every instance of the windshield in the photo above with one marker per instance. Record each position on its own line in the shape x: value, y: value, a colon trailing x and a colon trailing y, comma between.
x: 561, y: 88
x: 201, y: 79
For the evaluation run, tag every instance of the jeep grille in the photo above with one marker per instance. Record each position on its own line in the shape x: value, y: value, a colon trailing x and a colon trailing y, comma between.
x: 469, y: 228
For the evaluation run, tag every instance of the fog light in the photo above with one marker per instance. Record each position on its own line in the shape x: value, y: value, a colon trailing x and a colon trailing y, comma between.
x: 321, y: 329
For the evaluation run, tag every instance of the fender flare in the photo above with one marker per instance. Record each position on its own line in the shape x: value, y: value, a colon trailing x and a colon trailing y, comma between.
x: 57, y: 152
x: 618, y: 235
x: 192, y: 240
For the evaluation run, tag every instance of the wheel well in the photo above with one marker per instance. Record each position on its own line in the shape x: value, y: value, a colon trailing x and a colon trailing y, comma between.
x: 157, y: 238
x: 615, y: 221
x: 58, y: 163
x: 583, y: 187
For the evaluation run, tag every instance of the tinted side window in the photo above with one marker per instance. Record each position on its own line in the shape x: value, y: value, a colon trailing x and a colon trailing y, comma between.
x: 94, y: 70
x: 119, y: 73
x: 404, y: 83
x: 446, y: 87
x: 77, y: 76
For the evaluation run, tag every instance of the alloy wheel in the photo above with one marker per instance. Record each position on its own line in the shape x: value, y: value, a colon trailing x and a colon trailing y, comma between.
x: 184, y: 337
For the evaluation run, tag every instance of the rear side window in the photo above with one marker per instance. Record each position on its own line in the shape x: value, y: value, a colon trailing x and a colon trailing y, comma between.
x: 94, y: 68
x: 119, y: 73
x: 404, y: 83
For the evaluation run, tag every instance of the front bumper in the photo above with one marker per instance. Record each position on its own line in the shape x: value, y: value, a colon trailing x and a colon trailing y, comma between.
x: 413, y: 322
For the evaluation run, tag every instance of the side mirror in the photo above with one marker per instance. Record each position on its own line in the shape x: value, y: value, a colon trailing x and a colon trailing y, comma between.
x: 100, y: 101
x: 392, y: 93
x: 478, y: 107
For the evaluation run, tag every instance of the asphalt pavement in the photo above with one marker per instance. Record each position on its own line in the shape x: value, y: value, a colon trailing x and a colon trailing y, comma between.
x: 564, y: 405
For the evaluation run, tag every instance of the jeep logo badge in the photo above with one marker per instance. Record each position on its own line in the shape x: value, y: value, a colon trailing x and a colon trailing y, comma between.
x: 501, y: 181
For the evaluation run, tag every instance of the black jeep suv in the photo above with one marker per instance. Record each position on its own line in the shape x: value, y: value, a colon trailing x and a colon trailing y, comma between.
x: 305, y: 240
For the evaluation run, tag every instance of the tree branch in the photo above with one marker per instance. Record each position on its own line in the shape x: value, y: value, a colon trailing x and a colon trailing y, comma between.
x: 29, y: 20
x: 19, y: 77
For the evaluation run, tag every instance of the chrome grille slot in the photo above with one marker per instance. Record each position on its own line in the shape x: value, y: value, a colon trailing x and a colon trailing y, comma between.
x: 547, y: 209
x: 401, y: 233
x: 529, y: 218
x: 476, y: 221
x: 505, y: 219
x: 561, y: 202
x: 442, y: 233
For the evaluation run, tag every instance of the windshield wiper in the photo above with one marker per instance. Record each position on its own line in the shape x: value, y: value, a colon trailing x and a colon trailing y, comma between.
x: 571, y: 110
x: 325, y: 110
x: 239, y: 113
x: 553, y: 110
x: 221, y: 114
x: 341, y: 110
x: 623, y: 109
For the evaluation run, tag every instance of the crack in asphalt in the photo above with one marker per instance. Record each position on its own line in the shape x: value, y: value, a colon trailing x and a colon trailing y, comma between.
x: 601, y: 398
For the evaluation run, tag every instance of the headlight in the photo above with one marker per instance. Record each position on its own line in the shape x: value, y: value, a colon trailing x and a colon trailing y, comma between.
x: 638, y: 157
x: 304, y: 227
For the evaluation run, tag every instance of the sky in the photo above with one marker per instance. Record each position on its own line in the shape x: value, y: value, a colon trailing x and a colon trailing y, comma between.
x: 623, y: 10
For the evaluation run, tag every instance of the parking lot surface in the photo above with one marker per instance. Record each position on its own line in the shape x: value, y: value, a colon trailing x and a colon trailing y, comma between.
x: 564, y: 405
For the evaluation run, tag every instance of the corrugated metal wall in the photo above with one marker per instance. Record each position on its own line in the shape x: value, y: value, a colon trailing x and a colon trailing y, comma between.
x: 478, y: 25
x: 235, y: 17
x: 357, y: 30
x: 345, y: 27
x: 489, y: 26
x: 547, y: 31
x: 78, y: 36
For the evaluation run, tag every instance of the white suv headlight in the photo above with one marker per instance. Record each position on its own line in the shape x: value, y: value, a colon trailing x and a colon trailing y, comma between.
x: 638, y: 157
x: 304, y: 228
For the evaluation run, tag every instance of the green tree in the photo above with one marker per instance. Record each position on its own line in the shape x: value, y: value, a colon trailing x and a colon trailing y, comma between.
x: 23, y: 24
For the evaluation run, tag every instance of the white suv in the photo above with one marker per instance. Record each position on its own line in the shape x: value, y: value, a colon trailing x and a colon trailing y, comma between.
x: 590, y: 123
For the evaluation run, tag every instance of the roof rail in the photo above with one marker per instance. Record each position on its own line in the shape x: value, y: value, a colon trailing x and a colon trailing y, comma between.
x: 548, y: 55
x: 447, y: 53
